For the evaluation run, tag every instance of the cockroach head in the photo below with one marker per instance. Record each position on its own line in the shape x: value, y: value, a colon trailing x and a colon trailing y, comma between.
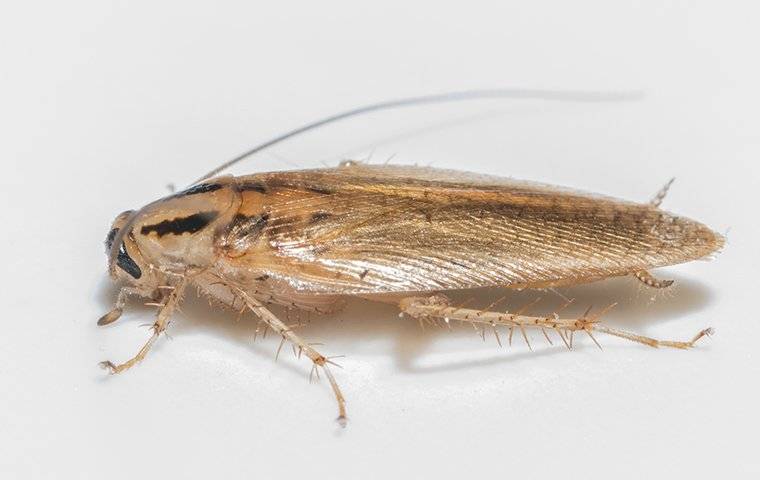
x: 124, y: 258
x: 172, y: 235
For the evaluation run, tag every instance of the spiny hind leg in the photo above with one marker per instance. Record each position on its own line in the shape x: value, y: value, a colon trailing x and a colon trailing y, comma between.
x: 651, y: 281
x: 652, y: 342
x: 319, y: 361
x: 439, y: 307
x: 170, y: 298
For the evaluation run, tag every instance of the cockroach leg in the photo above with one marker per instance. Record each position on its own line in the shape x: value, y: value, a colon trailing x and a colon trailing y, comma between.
x: 651, y: 281
x: 170, y: 301
x: 437, y: 306
x: 319, y: 360
x: 118, y: 307
x: 652, y: 342
x: 660, y: 196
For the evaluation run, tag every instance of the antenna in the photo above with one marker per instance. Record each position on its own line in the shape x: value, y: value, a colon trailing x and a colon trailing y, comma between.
x: 512, y: 93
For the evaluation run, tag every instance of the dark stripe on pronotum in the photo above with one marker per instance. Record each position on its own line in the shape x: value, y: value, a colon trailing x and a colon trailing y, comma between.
x: 178, y: 226
x: 123, y: 260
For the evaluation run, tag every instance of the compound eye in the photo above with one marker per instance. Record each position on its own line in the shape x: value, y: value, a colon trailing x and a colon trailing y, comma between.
x: 123, y: 260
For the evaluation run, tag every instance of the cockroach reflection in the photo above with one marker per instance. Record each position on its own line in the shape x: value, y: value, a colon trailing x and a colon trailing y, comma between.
x: 309, y: 239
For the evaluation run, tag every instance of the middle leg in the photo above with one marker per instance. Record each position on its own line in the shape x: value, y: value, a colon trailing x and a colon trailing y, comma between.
x: 319, y: 360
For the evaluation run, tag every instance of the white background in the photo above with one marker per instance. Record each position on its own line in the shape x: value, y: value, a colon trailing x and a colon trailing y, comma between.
x: 103, y: 103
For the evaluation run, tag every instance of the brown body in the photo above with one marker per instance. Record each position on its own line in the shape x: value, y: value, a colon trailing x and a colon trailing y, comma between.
x: 310, y: 238
x: 358, y: 230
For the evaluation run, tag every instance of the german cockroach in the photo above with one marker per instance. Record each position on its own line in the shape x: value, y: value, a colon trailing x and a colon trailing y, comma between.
x: 311, y: 238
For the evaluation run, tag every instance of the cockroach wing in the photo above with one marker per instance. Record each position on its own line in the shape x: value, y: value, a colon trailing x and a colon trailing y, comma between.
x: 361, y: 229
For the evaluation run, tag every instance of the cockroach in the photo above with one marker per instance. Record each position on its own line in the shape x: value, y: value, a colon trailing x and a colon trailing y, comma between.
x: 309, y: 239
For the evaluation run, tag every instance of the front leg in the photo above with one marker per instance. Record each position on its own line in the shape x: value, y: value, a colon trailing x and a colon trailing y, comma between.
x: 170, y: 298
x: 118, y: 307
x: 319, y: 360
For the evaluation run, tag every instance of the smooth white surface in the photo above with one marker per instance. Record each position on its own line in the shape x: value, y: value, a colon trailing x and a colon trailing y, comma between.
x: 103, y: 103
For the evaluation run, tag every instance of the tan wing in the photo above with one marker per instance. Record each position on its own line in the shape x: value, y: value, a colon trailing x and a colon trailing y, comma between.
x: 363, y: 229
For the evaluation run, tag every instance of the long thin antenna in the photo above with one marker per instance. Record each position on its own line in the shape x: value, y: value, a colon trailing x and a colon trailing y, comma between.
x: 514, y: 93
